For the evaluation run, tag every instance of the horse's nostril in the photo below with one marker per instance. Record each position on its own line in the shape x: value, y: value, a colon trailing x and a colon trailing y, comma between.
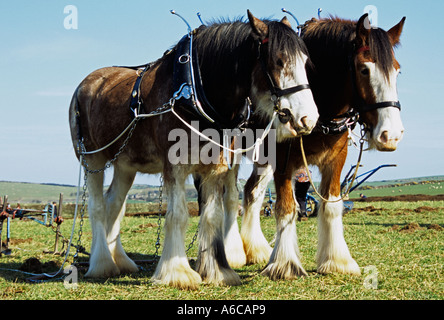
x: 305, y: 122
x: 285, y: 116
x: 384, y: 137
x: 308, y: 123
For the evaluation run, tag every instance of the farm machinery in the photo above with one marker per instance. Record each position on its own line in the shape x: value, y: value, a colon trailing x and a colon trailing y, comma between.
x: 348, y: 185
x: 50, y: 216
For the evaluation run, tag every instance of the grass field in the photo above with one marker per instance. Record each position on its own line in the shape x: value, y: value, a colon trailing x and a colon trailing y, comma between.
x: 43, y: 193
x: 402, y: 241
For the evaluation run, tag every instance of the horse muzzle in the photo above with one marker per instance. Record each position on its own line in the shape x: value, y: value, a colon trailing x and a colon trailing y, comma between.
x: 303, y: 126
x: 387, y: 141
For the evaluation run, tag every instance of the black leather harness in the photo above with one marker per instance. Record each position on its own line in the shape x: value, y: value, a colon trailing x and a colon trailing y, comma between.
x: 190, y: 94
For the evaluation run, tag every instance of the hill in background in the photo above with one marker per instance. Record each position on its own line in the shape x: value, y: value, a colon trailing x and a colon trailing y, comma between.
x: 42, y: 193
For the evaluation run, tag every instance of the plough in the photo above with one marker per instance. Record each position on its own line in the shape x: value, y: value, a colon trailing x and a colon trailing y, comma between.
x: 50, y: 216
x: 313, y: 203
x: 348, y: 179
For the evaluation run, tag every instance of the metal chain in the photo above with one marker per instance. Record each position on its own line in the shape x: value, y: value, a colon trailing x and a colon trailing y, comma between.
x: 79, y: 247
x: 164, y: 108
x: 159, y: 220
x: 110, y: 162
x: 159, y: 225
x: 194, y: 239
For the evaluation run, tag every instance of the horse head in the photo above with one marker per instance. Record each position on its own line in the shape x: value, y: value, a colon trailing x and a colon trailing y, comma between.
x: 279, y: 80
x: 376, y: 70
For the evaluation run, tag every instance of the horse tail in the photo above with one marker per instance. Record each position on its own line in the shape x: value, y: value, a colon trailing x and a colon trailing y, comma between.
x: 74, y: 121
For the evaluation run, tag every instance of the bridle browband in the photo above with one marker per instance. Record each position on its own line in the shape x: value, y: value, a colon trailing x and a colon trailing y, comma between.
x: 277, y: 92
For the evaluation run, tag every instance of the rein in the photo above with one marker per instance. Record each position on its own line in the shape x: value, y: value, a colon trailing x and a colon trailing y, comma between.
x: 361, y: 141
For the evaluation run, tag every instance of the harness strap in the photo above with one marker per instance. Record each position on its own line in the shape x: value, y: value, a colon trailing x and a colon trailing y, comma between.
x: 385, y: 104
x: 283, y: 92
x: 136, y: 100
x: 339, y: 124
x: 189, y: 91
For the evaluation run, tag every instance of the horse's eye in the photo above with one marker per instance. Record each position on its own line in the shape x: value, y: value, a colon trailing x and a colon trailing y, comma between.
x: 280, y: 63
x: 365, y: 71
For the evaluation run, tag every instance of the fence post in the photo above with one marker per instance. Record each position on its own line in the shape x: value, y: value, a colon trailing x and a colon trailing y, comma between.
x: 59, y: 215
x: 5, y: 201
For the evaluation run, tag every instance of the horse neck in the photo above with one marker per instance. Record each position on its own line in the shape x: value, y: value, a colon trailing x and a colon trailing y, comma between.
x: 330, y: 79
x: 226, y: 70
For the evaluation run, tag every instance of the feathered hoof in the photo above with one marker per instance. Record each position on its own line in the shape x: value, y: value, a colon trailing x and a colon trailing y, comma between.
x: 257, y: 254
x: 103, y: 270
x: 127, y: 266
x: 236, y: 258
x: 222, y: 277
x: 287, y: 271
x: 185, y: 279
x: 344, y: 266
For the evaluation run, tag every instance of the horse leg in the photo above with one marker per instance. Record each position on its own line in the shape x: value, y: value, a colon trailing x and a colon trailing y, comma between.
x: 115, y: 199
x: 256, y: 247
x: 232, y: 240
x: 333, y: 254
x: 101, y: 263
x: 173, y: 268
x: 212, y: 262
x: 284, y: 261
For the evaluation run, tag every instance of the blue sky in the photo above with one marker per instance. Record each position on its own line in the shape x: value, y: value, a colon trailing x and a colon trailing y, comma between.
x: 41, y: 64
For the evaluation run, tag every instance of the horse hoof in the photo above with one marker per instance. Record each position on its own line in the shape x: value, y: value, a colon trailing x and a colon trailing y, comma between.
x: 288, y: 271
x: 224, y: 277
x: 185, y: 278
x: 109, y: 271
x: 236, y: 259
x: 345, y: 267
x: 257, y: 254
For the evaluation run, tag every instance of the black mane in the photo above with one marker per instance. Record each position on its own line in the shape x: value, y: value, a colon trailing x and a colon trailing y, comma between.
x: 228, y: 53
x: 335, y: 37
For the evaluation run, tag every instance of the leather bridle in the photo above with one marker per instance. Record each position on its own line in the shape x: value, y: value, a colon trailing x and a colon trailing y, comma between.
x: 276, y: 92
x: 362, y: 106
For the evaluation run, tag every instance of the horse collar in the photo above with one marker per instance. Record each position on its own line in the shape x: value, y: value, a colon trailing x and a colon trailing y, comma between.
x: 189, y: 92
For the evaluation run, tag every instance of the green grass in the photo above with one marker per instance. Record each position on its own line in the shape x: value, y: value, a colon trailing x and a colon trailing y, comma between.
x: 432, y: 188
x: 409, y: 264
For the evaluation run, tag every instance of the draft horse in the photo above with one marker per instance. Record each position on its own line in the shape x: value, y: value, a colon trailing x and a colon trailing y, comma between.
x: 235, y: 62
x: 354, y: 77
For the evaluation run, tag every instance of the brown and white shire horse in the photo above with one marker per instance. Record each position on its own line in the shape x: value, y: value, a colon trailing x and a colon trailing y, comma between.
x: 235, y: 61
x: 355, y: 70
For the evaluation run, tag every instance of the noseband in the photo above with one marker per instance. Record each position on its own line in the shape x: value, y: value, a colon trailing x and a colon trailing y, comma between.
x: 276, y: 92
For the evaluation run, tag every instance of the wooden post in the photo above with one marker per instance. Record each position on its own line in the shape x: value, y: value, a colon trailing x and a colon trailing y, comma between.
x: 5, y: 201
x: 59, y: 214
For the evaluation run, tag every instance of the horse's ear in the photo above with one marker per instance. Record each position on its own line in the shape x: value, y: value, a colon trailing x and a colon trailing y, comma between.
x: 395, y: 32
x: 260, y: 29
x: 362, y: 30
x: 286, y: 22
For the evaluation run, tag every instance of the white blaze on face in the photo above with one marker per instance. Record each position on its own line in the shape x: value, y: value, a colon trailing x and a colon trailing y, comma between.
x: 301, y: 103
x: 389, y: 129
